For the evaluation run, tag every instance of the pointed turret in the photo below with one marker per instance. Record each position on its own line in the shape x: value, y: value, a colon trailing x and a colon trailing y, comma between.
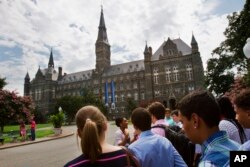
x: 51, y: 60
x: 194, y: 45
x: 26, y: 85
x: 102, y: 33
x: 146, y: 49
x: 39, y: 73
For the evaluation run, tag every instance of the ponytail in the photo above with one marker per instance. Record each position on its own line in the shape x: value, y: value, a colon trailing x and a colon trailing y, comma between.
x: 91, y: 147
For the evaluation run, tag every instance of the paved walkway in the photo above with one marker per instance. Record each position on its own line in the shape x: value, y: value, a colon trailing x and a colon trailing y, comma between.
x: 65, y: 133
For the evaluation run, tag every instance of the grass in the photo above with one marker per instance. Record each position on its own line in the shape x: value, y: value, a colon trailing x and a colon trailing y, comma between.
x: 42, y: 130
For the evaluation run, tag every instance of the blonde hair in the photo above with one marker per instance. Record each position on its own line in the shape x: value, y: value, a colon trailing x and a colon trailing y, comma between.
x: 90, y: 122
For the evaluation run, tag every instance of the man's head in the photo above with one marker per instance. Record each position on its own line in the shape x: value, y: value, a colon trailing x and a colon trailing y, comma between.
x: 199, y: 113
x: 141, y: 119
x: 168, y: 113
x: 175, y: 115
x: 242, y: 108
x: 121, y: 122
x: 157, y: 111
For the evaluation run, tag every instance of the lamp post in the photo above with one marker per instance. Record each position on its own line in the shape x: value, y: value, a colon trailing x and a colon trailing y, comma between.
x: 246, y: 50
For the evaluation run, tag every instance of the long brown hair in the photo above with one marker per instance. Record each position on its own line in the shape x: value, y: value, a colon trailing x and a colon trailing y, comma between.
x: 90, y: 123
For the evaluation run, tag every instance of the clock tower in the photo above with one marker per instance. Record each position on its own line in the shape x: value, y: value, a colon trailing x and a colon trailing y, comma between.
x: 102, y: 47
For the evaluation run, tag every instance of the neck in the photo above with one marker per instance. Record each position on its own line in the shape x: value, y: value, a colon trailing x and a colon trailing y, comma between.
x: 209, y: 132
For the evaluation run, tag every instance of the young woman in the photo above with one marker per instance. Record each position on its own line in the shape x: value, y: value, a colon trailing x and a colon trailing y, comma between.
x: 91, y: 128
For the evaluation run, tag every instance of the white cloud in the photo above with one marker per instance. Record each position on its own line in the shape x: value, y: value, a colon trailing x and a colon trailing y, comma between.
x: 71, y: 27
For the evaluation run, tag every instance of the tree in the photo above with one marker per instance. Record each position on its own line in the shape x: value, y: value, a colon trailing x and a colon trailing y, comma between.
x: 130, y: 106
x: 14, y: 107
x: 230, y: 52
x: 71, y: 104
x: 2, y: 82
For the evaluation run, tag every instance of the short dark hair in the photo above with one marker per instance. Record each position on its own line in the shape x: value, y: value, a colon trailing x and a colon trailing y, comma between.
x: 157, y: 109
x: 118, y: 121
x: 141, y: 119
x: 203, y: 104
x: 226, y: 107
x: 175, y: 112
x: 243, y: 100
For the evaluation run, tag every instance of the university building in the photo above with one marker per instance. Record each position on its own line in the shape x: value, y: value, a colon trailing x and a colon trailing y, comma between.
x: 166, y: 75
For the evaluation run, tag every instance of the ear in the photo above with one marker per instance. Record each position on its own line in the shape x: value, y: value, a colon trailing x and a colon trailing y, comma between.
x: 195, y: 119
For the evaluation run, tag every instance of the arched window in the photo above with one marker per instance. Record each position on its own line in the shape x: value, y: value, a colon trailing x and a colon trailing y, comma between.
x: 189, y: 72
x: 156, y: 75
x: 176, y: 74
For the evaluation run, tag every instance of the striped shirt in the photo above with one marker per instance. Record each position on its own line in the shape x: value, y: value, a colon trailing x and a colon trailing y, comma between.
x: 216, y: 150
x: 111, y: 159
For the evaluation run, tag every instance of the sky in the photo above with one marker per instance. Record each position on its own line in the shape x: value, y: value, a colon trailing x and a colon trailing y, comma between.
x: 30, y: 28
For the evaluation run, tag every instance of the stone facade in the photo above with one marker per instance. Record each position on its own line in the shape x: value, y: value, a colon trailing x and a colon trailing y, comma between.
x: 166, y: 75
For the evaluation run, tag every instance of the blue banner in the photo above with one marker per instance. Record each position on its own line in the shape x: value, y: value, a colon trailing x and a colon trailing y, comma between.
x: 106, y: 92
x: 112, y: 92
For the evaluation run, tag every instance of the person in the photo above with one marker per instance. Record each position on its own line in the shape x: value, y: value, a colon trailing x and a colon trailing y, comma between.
x: 157, y: 112
x: 151, y: 149
x: 122, y: 134
x: 22, y: 130
x: 200, y: 116
x: 242, y: 108
x: 228, y: 122
x: 176, y: 119
x: 33, y: 129
x: 168, y: 118
x: 91, y: 128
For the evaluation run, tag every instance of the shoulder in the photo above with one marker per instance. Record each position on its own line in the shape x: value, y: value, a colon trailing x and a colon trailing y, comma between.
x: 80, y: 159
x: 245, y: 146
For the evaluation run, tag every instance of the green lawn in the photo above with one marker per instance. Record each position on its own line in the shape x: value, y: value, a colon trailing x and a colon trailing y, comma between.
x: 42, y: 130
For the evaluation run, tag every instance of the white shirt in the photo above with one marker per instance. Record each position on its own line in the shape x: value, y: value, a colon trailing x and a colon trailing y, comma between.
x: 231, y: 129
x: 119, y: 137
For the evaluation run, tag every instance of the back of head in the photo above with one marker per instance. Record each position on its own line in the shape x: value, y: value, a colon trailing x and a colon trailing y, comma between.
x: 118, y: 121
x: 157, y: 109
x: 203, y: 104
x: 226, y: 107
x: 141, y: 119
x: 243, y: 100
x: 90, y: 123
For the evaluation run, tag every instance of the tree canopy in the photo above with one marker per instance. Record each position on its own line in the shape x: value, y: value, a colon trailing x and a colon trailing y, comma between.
x: 229, y: 56
x: 14, y: 108
x: 2, y: 82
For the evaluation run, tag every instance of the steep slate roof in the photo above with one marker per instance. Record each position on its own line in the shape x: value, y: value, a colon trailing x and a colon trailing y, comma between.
x: 50, y: 70
x: 78, y: 76
x: 181, y: 46
x: 125, y: 68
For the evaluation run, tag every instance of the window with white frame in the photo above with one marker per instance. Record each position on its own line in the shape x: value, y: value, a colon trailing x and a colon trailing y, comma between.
x: 143, y: 96
x: 156, y: 75
x: 189, y: 71
x: 136, y: 96
x: 157, y: 93
x: 122, y: 97
x: 168, y: 74
x: 135, y: 85
x: 176, y: 74
x: 190, y: 88
x: 116, y: 98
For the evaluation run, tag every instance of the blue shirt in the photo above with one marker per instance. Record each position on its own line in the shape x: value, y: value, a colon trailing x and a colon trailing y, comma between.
x: 216, y: 150
x: 154, y: 150
x: 245, y: 146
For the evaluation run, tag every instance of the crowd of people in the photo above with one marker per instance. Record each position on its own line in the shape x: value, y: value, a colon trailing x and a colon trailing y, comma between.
x: 214, y: 127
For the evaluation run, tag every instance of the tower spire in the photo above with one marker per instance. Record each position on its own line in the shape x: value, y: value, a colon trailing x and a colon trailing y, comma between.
x: 102, y: 33
x: 194, y: 44
x: 51, y: 60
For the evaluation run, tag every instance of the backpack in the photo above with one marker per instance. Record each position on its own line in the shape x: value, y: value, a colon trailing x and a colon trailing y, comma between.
x: 181, y: 143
